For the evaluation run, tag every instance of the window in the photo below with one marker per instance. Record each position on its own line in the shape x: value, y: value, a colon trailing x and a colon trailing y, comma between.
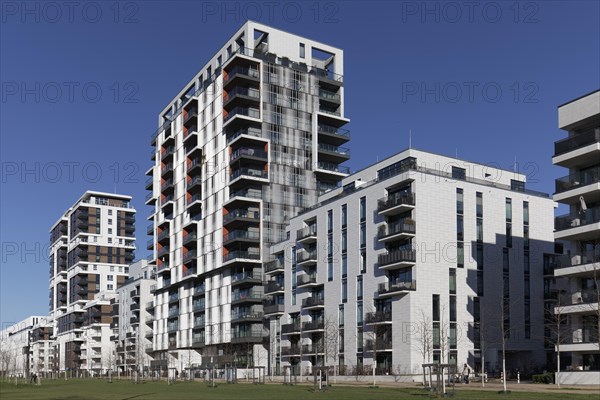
x: 344, y: 290
x: 344, y: 241
x: 109, y: 277
x: 460, y: 255
x: 452, y: 280
x: 330, y: 221
x: 344, y: 215
x: 341, y: 315
x: 363, y: 209
x: 110, y: 221
x: 110, y: 212
x: 110, y: 231
x: 359, y: 313
x: 459, y: 173
x: 109, y: 240
x: 459, y: 201
x: 95, y: 267
x: 517, y: 186
x: 112, y: 268
x: 109, y: 287
x: 302, y: 50
x: 359, y: 287
x: 436, y: 307
x: 363, y: 235
x: 460, y: 234
x: 479, y: 224
x: 526, y: 212
x: 329, y: 269
x: 452, y: 308
x: 344, y: 265
x: 508, y: 210
x: 479, y: 204
x: 363, y: 261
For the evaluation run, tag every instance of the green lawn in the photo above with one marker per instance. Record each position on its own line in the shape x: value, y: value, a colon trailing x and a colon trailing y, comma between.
x: 102, y: 390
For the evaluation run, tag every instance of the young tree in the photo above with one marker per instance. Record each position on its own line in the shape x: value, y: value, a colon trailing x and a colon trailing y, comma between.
x: 331, y: 343
x: 423, y: 339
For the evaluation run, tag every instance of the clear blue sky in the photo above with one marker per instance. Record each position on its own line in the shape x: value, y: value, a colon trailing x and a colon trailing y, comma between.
x: 104, y: 72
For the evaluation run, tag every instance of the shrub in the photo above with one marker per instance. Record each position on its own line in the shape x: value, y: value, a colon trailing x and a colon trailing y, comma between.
x: 546, y: 378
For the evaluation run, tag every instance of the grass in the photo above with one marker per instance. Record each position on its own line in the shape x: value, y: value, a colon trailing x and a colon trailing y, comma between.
x: 75, y: 389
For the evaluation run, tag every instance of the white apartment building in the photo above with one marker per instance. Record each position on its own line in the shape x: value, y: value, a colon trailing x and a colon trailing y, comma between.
x: 579, y: 229
x: 248, y: 143
x: 92, y: 245
x: 25, y: 347
x: 418, y: 258
x: 133, y: 319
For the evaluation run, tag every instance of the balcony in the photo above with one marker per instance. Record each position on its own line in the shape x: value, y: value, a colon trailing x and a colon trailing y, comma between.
x: 274, y: 309
x: 198, y: 341
x: 332, y: 169
x: 396, y: 230
x: 306, y: 258
x: 250, y: 154
x: 307, y: 281
x: 167, y: 153
x: 329, y: 96
x: 243, y: 256
x: 577, y: 141
x: 313, y: 302
x: 396, y: 204
x: 199, y: 323
x: 307, y: 234
x: 172, y: 328
x: 575, y: 265
x: 253, y: 132
x: 241, y: 111
x: 379, y: 317
x: 248, y: 173
x: 246, y: 278
x: 167, y: 169
x: 243, y: 73
x: 333, y: 134
x: 199, y: 306
x: 289, y: 351
x: 163, y: 235
x: 173, y: 297
x: 247, y: 296
x: 244, y: 317
x: 244, y: 336
x: 570, y: 187
x: 163, y: 251
x: 199, y: 290
x: 189, y: 238
x: 273, y: 287
x: 241, y: 215
x: 291, y: 328
x: 241, y: 96
x: 193, y: 183
x: 397, y: 259
x: 189, y: 256
x: 313, y: 326
x: 381, y: 344
x: 583, y: 226
x: 241, y: 236
x: 174, y: 312
x: 274, y: 266
x: 332, y: 153
x: 194, y: 165
x: 396, y: 288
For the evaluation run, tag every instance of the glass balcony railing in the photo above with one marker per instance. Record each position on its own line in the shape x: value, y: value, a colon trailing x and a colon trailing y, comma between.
x: 241, y: 91
x: 577, y: 141
x: 248, y: 112
x: 254, y: 173
x: 328, y: 148
x: 330, y: 130
x: 568, y: 221
x: 578, y: 179
x: 245, y: 151
x: 239, y: 234
x: 395, y: 200
x: 333, y: 167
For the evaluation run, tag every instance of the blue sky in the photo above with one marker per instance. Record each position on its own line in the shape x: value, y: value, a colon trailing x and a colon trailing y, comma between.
x: 82, y: 86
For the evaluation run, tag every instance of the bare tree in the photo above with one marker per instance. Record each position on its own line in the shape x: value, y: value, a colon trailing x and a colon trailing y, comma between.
x: 557, y: 331
x: 423, y: 339
x: 331, y: 343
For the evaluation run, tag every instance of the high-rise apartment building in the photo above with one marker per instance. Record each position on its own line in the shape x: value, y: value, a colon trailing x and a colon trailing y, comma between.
x: 92, y: 245
x: 247, y: 144
x: 579, y: 230
x: 418, y: 258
